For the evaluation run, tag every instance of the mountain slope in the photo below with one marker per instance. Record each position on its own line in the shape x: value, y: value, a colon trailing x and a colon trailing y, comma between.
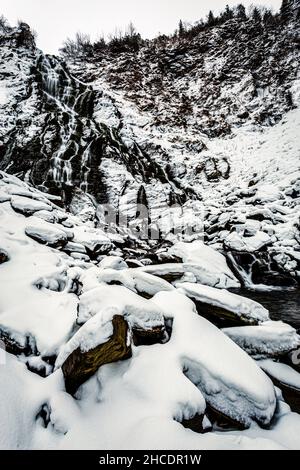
x: 180, y: 128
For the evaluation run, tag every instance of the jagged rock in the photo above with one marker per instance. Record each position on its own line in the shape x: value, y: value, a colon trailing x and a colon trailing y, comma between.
x: 195, y: 424
x: 80, y: 366
x: 27, y: 206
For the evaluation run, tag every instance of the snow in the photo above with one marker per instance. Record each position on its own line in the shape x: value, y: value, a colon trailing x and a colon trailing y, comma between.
x: 138, y: 403
x: 250, y: 244
x: 161, y: 384
x: 113, y: 262
x: 212, y: 363
x: 269, y: 339
x: 24, y: 309
x: 206, y: 263
x: 246, y: 309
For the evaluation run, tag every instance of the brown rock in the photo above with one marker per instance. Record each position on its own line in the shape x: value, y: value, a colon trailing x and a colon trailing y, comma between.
x: 146, y: 337
x: 80, y: 366
x: 3, y: 256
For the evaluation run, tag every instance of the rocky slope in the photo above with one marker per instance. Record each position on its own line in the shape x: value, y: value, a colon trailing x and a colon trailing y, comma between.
x: 205, y: 123
x: 84, y: 341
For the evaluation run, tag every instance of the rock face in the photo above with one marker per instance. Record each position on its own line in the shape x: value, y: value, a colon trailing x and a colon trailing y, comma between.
x: 80, y: 366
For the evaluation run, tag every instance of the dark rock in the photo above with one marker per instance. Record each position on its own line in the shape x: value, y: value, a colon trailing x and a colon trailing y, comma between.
x: 80, y: 366
x: 13, y: 346
x: 146, y: 337
x: 195, y: 424
x: 221, y: 317
x: 3, y: 256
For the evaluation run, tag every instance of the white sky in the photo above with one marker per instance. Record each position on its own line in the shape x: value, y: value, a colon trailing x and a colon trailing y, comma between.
x: 54, y: 20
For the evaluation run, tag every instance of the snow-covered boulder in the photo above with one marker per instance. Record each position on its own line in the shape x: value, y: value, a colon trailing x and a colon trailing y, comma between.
x: 107, y: 300
x: 225, y: 304
x: 286, y: 379
x: 113, y: 262
x: 223, y: 372
x: 208, y: 265
x: 27, y: 206
x: 270, y: 339
x: 46, y: 215
x: 47, y: 234
x: 93, y: 346
x: 94, y: 239
x: 236, y: 242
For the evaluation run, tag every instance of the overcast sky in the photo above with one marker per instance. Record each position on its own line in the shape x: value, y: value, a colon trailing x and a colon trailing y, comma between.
x: 54, y: 20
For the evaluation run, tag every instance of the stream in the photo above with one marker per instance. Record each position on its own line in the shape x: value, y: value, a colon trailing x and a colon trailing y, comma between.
x: 283, y: 304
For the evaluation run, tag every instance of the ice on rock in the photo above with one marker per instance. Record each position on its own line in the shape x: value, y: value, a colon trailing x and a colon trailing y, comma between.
x: 221, y: 370
x: 270, y: 339
x: 244, y: 309
x: 28, y: 206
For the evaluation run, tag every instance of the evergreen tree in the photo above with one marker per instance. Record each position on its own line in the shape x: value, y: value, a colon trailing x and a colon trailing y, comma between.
x: 268, y: 17
x: 211, y: 21
x: 285, y: 10
x: 228, y: 13
x: 241, y: 12
x: 181, y: 29
x: 256, y: 15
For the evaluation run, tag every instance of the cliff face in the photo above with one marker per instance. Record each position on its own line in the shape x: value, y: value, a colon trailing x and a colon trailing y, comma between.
x: 206, y: 121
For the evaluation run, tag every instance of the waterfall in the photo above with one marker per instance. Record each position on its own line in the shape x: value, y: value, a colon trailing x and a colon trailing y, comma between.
x: 244, y: 272
x: 72, y: 102
x: 85, y: 168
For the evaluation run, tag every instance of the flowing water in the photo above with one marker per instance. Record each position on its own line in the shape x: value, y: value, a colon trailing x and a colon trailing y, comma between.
x: 283, y: 304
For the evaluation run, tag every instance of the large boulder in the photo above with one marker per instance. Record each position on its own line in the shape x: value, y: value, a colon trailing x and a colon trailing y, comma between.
x: 27, y: 206
x: 219, y: 305
x: 47, y: 234
x: 81, y: 364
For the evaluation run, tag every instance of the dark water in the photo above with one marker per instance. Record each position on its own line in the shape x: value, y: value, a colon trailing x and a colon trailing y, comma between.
x: 283, y: 304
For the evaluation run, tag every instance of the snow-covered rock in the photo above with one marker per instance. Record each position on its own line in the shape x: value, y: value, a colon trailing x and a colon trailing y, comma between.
x: 220, y: 369
x: 250, y: 244
x: 46, y: 233
x: 28, y: 206
x: 270, y: 339
x: 236, y: 306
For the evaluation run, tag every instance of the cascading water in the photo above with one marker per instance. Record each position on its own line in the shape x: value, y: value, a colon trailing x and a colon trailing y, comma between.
x: 85, y: 168
x: 69, y: 96
x: 255, y: 271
